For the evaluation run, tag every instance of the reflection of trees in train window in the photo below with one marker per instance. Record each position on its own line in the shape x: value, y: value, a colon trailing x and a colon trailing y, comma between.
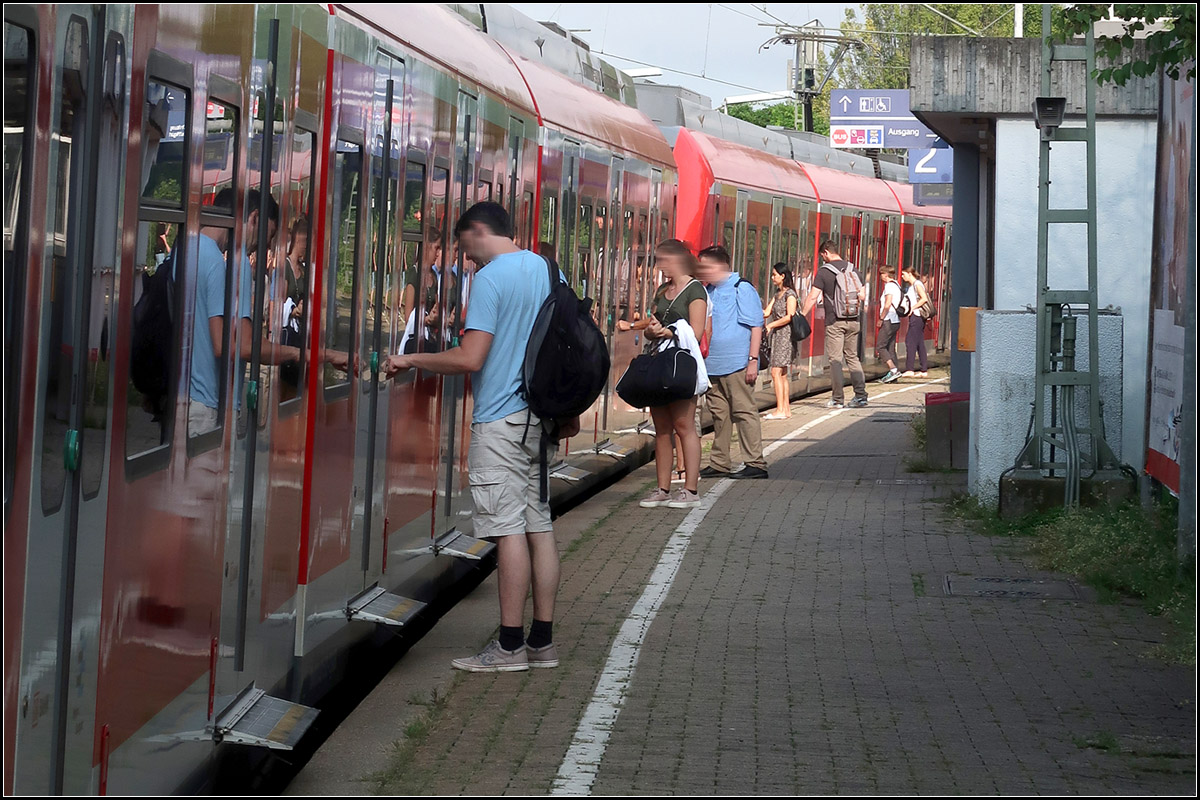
x: 727, y: 237
x: 162, y: 170
x: 347, y: 201
x: 548, y: 232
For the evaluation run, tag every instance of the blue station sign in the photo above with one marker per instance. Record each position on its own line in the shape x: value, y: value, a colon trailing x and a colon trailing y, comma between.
x: 875, y: 118
x: 931, y: 165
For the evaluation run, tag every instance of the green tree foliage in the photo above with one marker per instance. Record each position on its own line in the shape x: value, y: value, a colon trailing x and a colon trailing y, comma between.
x: 1172, y: 49
x: 887, y: 31
x: 784, y: 114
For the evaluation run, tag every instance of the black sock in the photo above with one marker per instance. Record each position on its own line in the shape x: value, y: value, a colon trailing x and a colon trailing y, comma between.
x: 511, y: 638
x: 540, y: 633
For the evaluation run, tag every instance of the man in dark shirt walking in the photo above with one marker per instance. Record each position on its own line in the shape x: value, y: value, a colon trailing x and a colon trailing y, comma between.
x: 841, y: 332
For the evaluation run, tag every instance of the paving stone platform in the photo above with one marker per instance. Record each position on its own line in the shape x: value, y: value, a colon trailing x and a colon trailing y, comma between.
x: 807, y: 645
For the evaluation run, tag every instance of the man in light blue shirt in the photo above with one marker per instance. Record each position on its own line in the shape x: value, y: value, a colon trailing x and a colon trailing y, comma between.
x: 507, y: 292
x: 732, y: 365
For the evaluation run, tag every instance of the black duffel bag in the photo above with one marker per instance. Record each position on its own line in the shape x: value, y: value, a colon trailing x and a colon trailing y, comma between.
x: 801, y: 329
x: 659, y: 378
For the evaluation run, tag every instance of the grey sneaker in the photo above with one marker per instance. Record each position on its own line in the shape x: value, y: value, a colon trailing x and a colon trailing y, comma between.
x: 892, y: 376
x: 834, y: 404
x: 857, y: 402
x: 655, y: 499
x: 542, y: 657
x: 684, y: 499
x: 495, y: 658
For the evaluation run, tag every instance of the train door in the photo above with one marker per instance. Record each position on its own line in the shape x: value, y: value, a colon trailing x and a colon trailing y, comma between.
x: 454, y: 503
x: 381, y: 287
x: 73, y: 410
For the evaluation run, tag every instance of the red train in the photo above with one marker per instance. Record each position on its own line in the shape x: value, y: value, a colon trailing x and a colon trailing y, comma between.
x: 189, y: 540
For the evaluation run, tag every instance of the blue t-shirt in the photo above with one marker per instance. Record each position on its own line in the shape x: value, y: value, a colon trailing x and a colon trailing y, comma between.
x: 736, y: 310
x: 506, y: 296
x: 205, y: 384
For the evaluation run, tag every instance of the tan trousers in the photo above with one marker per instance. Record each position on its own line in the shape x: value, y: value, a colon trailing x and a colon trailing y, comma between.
x: 731, y: 402
x: 841, y: 345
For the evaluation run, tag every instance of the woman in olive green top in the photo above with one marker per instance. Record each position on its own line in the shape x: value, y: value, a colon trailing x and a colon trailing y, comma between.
x: 681, y: 297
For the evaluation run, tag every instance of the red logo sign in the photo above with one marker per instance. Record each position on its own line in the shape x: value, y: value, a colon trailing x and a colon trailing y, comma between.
x: 840, y: 136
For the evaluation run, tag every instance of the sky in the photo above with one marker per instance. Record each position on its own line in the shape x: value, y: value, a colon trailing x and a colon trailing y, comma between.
x: 717, y: 40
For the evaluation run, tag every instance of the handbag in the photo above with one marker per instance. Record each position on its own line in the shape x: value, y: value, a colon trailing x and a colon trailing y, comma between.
x: 801, y: 328
x: 659, y: 378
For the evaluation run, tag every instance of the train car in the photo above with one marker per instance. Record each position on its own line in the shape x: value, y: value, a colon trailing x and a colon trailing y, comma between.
x: 765, y: 208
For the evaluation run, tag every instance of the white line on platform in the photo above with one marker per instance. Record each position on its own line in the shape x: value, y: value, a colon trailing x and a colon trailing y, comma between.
x: 582, y: 761
x: 581, y: 764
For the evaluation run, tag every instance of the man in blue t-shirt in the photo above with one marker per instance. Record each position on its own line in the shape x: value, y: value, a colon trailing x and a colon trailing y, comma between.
x: 507, y: 292
x: 732, y: 364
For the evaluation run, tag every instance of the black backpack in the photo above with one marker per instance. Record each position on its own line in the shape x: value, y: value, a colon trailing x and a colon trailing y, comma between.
x: 566, y: 363
x: 904, y: 307
x: 154, y: 335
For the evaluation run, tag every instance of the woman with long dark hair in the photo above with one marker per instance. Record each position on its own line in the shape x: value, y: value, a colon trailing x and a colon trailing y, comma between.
x: 681, y: 297
x: 778, y: 330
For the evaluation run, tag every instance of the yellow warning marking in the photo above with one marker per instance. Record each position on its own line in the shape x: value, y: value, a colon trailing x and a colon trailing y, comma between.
x: 475, y: 548
x: 286, y: 724
x: 401, y: 609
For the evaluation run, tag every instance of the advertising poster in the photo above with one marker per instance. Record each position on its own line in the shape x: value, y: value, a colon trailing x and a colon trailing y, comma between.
x: 1173, y: 211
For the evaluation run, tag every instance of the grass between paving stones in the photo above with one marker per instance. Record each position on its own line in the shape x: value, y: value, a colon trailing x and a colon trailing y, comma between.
x: 1125, y: 551
x: 416, y: 732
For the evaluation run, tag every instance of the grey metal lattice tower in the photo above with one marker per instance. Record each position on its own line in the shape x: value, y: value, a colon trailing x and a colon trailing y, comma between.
x: 1054, y: 443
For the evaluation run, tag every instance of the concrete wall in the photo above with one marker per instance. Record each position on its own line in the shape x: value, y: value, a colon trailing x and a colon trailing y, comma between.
x: 967, y: 75
x: 1126, y: 164
x: 1002, y: 391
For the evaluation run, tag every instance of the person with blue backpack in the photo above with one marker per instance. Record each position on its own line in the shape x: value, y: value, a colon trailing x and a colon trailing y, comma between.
x: 837, y: 284
x: 535, y: 367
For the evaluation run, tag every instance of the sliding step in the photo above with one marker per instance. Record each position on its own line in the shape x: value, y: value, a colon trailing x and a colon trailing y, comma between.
x: 378, y: 605
x: 257, y: 719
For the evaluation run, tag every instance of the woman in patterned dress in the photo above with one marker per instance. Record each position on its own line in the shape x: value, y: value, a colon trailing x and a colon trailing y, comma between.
x: 778, y: 314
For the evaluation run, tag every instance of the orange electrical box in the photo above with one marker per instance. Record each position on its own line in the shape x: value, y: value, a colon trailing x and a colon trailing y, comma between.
x: 966, y: 328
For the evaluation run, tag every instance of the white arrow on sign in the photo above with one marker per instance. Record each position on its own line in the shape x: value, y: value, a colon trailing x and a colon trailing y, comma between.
x: 845, y: 104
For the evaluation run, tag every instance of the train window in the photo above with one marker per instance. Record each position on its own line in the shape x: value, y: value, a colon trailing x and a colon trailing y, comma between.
x: 583, y: 243
x: 159, y: 267
x: 293, y: 314
x: 727, y: 237
x: 18, y: 66
x: 548, y: 231
x: 516, y: 132
x: 629, y: 290
x: 414, y: 196
x: 434, y: 257
x: 99, y: 313
x: 749, y: 267
x: 60, y: 265
x: 342, y: 287
x: 527, y: 215
x: 764, y: 258
x: 209, y: 336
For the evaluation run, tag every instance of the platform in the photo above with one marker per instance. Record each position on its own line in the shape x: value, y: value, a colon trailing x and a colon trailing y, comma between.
x: 826, y: 631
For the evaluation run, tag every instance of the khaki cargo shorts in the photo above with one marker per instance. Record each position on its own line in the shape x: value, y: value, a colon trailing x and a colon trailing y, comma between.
x: 504, y: 476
